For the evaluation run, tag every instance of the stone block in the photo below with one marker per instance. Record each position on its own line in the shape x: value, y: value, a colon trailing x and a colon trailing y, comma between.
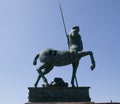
x: 59, y: 94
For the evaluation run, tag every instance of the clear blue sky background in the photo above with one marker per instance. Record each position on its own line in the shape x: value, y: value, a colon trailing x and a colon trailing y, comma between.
x: 28, y: 26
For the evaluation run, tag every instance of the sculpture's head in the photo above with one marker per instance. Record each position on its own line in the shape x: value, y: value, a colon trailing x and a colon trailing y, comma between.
x: 76, y: 28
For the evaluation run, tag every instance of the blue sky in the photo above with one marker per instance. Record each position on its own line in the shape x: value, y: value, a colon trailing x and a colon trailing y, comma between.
x: 28, y: 26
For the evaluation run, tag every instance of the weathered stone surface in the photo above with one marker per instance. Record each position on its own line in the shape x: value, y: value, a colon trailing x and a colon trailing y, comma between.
x: 59, y: 94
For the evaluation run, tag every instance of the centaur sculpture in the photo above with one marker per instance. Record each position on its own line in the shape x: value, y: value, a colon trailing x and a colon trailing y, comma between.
x: 50, y: 57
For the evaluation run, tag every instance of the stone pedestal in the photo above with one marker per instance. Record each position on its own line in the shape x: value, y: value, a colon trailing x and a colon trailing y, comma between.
x: 63, y: 103
x: 58, y: 94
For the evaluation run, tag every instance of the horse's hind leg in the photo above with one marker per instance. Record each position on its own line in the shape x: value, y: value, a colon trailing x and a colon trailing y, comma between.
x: 45, y: 71
x: 39, y: 71
x: 36, y: 83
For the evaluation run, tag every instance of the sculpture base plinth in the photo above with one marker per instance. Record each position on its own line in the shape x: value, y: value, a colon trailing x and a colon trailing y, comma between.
x: 63, y: 103
x: 59, y: 94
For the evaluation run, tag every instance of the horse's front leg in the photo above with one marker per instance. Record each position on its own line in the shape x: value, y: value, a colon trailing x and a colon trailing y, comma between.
x: 92, y: 60
x: 82, y: 54
x: 75, y: 66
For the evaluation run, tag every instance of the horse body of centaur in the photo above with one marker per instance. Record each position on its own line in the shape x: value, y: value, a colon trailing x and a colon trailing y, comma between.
x: 50, y: 58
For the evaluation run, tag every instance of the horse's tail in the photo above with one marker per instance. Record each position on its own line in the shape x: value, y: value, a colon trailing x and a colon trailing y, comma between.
x: 35, y: 59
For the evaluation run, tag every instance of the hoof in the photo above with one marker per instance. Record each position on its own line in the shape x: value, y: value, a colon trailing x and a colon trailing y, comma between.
x: 92, y: 67
x: 73, y: 85
x: 35, y: 85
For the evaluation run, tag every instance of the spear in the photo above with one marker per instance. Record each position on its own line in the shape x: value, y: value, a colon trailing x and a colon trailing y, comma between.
x: 63, y: 22
x: 66, y: 33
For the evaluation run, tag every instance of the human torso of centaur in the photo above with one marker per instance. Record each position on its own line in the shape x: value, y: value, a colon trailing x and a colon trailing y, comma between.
x: 75, y: 42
